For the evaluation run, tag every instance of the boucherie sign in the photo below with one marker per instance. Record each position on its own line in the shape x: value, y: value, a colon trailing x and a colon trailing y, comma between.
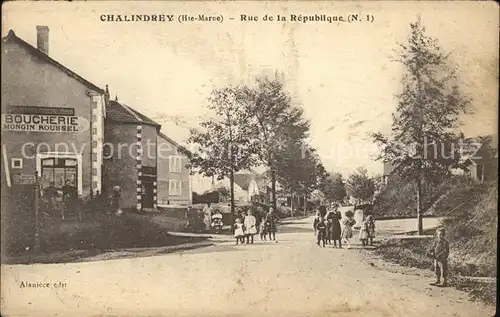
x: 42, y: 119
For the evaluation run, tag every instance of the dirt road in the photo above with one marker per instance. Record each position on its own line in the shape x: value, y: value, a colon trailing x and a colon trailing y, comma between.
x: 293, y: 277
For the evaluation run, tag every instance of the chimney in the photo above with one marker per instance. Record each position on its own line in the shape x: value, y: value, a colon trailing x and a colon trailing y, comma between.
x: 42, y: 38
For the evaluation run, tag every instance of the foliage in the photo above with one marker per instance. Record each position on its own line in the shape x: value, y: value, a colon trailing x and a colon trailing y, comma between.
x: 276, y: 122
x: 421, y: 146
x: 442, y: 198
x: 222, y: 144
x: 359, y: 185
x: 333, y: 187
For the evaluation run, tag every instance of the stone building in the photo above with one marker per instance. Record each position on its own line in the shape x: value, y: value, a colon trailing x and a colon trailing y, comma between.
x: 130, y: 156
x: 52, y: 119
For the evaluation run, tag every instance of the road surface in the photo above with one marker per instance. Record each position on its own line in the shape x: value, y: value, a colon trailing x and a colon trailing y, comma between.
x: 293, y: 277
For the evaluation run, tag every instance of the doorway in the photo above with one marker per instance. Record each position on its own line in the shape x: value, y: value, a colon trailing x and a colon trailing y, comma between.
x: 147, y: 194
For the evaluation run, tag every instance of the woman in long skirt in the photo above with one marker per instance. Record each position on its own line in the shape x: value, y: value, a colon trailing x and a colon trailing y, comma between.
x: 335, y: 228
x: 271, y: 224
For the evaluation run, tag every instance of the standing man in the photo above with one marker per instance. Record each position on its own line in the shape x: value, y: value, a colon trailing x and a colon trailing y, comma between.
x: 116, y: 195
x: 207, y: 212
x: 51, y: 193
x: 440, y: 251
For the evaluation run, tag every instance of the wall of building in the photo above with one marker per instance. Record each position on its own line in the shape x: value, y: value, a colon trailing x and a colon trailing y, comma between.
x: 149, y: 145
x: 166, y: 150
x: 31, y: 81
x: 120, y: 166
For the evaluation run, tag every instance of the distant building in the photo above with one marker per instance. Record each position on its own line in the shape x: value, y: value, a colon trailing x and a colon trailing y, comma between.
x: 388, y: 171
x: 479, y: 163
x: 131, y: 156
x: 174, y: 179
x: 253, y: 184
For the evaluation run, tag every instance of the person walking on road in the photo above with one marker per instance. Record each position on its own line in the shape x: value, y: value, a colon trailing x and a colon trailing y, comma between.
x: 347, y: 232
x: 440, y: 251
x: 363, y: 233
x: 250, y: 225
x: 239, y: 234
x: 207, y: 219
x: 263, y: 230
x: 371, y: 228
x: 321, y: 232
x: 335, y: 228
x: 271, y: 224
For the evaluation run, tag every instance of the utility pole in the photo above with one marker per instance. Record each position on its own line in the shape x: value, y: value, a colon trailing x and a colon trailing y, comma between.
x: 37, y: 214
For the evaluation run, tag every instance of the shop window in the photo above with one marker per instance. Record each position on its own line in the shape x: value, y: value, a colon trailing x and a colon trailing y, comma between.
x: 17, y: 163
x: 60, y: 172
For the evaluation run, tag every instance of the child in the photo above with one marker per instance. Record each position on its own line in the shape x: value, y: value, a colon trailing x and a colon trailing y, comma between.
x: 439, y: 251
x: 239, y: 234
x: 263, y: 230
x: 371, y: 228
x: 315, y: 223
x: 249, y: 223
x: 321, y: 230
x: 363, y: 233
x: 347, y: 231
x: 329, y: 227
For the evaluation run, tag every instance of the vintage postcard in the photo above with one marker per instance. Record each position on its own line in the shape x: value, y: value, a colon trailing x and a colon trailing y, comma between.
x: 249, y: 158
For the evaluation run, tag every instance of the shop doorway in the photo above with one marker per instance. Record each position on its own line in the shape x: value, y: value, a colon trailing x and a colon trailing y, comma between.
x: 59, y: 179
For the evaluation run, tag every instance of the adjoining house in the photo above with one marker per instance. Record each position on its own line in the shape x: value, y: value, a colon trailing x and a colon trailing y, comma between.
x: 174, y: 179
x: 478, y: 162
x: 130, y: 153
x: 52, y: 120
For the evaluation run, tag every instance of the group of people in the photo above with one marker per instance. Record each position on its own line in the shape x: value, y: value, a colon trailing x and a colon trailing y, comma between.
x: 201, y: 220
x: 327, y: 228
x: 247, y: 226
x: 67, y: 194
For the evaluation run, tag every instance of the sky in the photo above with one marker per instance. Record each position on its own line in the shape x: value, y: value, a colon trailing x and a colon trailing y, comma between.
x: 342, y: 74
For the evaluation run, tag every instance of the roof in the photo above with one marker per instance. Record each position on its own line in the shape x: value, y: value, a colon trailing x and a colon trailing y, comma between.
x: 168, y: 139
x: 173, y: 142
x: 12, y: 37
x: 122, y: 113
x: 243, y: 179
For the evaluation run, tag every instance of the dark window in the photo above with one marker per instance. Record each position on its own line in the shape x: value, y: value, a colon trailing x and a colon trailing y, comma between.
x: 61, y: 171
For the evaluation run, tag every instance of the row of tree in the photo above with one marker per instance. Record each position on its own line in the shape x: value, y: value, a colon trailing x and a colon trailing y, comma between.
x: 260, y: 125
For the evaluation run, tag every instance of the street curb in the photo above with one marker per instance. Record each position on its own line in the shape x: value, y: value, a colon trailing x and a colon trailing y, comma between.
x: 79, y: 256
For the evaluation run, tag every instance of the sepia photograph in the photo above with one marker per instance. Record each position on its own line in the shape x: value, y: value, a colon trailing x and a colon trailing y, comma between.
x: 249, y: 158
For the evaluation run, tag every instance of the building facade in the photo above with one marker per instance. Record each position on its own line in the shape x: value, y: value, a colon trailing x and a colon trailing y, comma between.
x: 130, y: 156
x: 52, y: 119
x: 174, y: 179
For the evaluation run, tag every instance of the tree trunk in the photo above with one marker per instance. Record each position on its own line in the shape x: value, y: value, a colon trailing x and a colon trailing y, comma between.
x: 419, y: 207
x: 273, y: 190
x: 305, y: 204
x: 291, y: 203
x: 231, y: 186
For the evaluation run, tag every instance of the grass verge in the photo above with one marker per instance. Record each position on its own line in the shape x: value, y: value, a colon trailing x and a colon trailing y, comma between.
x: 412, y: 253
